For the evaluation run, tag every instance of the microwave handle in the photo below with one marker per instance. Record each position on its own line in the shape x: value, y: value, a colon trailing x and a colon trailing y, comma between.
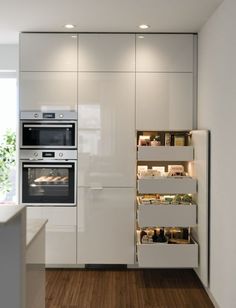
x: 48, y: 166
x: 47, y: 126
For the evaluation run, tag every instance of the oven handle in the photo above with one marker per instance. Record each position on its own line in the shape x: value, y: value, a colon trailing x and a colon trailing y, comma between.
x: 48, y: 166
x: 47, y: 125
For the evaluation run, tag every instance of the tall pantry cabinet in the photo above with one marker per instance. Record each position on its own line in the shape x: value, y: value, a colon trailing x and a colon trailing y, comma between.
x: 48, y: 83
x: 106, y: 149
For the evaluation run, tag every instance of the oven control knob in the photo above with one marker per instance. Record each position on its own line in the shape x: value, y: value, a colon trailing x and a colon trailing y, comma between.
x: 36, y: 115
x: 61, y: 115
x: 36, y: 154
x: 60, y: 154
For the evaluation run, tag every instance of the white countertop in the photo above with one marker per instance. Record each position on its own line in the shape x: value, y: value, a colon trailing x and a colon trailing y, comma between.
x: 33, y: 227
x: 7, y: 212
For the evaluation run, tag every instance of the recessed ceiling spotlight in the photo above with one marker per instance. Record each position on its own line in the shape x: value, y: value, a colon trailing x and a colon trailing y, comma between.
x: 144, y: 26
x: 69, y: 26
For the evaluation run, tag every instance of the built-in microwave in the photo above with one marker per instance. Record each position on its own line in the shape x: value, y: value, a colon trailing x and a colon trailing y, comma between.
x: 49, y: 134
x: 48, y: 130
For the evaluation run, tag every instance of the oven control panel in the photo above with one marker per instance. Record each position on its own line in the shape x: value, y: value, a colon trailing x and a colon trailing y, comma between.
x: 48, y: 154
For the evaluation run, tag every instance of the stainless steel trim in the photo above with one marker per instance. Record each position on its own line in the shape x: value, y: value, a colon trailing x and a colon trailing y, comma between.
x: 59, y: 115
x: 47, y: 125
x: 48, y: 166
x: 37, y: 155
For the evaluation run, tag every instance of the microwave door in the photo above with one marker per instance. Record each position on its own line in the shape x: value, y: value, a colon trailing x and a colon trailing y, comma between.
x: 42, y: 135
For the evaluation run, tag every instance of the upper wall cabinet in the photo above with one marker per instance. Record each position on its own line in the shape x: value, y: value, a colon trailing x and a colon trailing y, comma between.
x: 164, y: 101
x: 47, y: 52
x: 164, y: 53
x: 48, y: 91
x: 106, y: 52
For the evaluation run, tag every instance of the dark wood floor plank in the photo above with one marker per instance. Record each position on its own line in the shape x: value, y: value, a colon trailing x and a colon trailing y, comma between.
x: 124, y: 289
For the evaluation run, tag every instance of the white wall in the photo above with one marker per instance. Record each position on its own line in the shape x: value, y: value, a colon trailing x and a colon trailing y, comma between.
x: 8, y: 57
x: 217, y: 112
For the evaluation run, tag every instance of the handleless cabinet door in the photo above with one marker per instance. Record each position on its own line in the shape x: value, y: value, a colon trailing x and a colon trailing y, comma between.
x: 164, y: 53
x: 164, y: 101
x: 48, y: 91
x: 60, y: 233
x: 48, y: 52
x: 106, y: 134
x: 106, y: 226
x: 106, y: 52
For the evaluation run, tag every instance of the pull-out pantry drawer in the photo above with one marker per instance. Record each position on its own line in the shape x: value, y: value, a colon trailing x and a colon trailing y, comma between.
x: 161, y: 255
x: 167, y: 215
x: 172, y: 185
x: 165, y: 153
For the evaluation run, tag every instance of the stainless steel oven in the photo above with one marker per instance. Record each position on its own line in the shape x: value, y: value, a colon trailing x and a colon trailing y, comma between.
x: 48, y: 178
x: 48, y: 130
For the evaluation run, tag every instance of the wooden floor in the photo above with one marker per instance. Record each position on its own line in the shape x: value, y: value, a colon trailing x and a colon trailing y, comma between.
x: 124, y: 289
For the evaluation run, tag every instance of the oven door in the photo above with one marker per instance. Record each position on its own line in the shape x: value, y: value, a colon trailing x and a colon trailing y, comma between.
x: 48, y: 183
x: 49, y: 134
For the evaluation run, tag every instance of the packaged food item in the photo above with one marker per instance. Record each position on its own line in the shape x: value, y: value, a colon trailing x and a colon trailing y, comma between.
x: 156, y: 141
x: 179, y: 140
x: 176, y: 170
x: 144, y: 140
x: 167, y: 139
x: 186, y: 199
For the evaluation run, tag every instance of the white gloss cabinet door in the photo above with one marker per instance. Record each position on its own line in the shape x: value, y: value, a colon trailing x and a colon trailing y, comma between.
x: 106, y: 134
x: 106, y: 229
x: 106, y: 52
x: 60, y: 233
x: 164, y: 101
x: 48, y: 52
x: 48, y: 91
x: 164, y: 53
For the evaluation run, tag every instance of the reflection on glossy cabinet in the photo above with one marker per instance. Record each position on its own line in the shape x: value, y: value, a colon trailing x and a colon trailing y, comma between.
x: 164, y: 53
x: 164, y: 101
x: 106, y: 52
x: 48, y: 52
x: 106, y: 143
x: 106, y: 226
x: 48, y: 91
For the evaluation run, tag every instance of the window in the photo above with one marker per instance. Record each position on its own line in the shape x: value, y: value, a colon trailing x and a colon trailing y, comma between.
x: 8, y: 124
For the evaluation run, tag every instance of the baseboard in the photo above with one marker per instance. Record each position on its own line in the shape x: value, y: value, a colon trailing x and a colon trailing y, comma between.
x: 61, y: 266
x: 214, y: 302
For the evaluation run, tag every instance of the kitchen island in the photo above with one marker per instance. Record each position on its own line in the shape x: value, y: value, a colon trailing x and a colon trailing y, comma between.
x: 22, y: 253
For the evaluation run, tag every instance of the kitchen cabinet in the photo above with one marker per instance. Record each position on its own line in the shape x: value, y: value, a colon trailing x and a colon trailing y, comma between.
x: 106, y: 225
x: 48, y: 91
x: 60, y: 233
x: 164, y: 52
x: 106, y: 129
x: 164, y: 101
x: 194, y: 215
x: 46, y: 52
x: 35, y: 264
x: 106, y: 52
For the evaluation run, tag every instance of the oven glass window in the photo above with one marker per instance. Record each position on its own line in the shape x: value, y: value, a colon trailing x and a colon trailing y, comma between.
x: 42, y: 134
x: 51, y: 183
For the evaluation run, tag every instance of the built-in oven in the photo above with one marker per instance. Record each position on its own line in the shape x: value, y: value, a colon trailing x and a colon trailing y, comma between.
x: 48, y: 130
x: 48, y: 178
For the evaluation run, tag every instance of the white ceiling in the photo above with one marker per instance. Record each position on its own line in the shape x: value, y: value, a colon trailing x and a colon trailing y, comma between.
x: 102, y: 15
